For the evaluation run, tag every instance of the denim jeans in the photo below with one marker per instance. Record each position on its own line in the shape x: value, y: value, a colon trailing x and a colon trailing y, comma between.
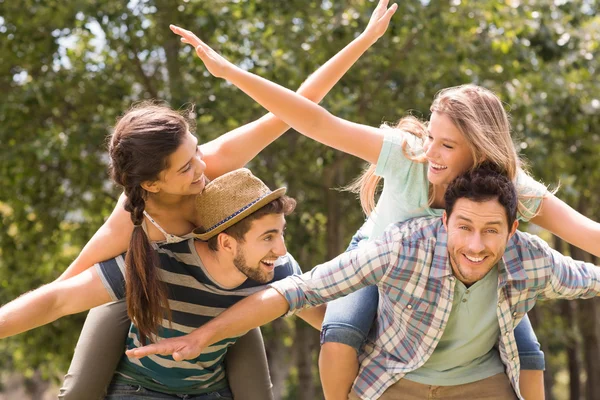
x: 349, y: 319
x: 121, y: 391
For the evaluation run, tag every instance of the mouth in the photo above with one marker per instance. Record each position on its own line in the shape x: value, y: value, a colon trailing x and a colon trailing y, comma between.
x: 269, y: 264
x: 437, y: 167
x: 199, y: 180
x: 474, y: 260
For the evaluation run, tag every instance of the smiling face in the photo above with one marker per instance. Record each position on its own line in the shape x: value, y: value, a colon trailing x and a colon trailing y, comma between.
x: 477, y: 237
x: 185, y: 175
x: 261, y: 246
x: 447, y: 151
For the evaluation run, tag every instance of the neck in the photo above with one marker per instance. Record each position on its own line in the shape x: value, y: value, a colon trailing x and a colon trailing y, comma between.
x: 161, y: 200
x: 438, y: 195
x: 220, y: 266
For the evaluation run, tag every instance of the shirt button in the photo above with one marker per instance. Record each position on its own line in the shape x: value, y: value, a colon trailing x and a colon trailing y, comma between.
x: 513, y: 359
x: 409, y: 307
x: 464, y: 300
x: 467, y: 291
x: 507, y: 333
x: 515, y: 314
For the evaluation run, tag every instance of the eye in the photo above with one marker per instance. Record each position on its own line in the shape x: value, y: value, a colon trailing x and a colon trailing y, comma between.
x: 464, y: 228
x: 268, y: 238
x: 493, y: 231
x: 187, y: 168
x: 448, y: 146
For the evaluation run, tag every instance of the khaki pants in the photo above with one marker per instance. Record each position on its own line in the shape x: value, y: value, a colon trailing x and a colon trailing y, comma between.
x: 496, y: 387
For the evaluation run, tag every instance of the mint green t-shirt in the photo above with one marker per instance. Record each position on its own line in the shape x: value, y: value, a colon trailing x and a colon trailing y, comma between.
x: 405, y: 192
x: 466, y: 351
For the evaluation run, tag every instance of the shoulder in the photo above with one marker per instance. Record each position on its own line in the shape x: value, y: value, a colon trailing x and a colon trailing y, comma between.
x: 414, y: 229
x: 530, y: 251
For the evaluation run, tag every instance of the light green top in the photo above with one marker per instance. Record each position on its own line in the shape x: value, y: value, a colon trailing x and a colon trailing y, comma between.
x: 405, y: 192
x: 466, y: 351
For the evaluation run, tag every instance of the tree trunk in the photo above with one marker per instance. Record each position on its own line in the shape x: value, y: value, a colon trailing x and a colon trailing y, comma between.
x: 333, y: 177
x: 276, y: 356
x: 305, y: 355
x: 589, y: 322
x: 569, y: 311
x: 171, y: 44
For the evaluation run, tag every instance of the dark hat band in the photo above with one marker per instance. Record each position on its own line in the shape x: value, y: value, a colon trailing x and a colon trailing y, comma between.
x: 241, y: 210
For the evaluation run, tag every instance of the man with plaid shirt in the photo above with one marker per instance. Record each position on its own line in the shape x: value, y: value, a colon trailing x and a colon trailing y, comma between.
x: 451, y: 291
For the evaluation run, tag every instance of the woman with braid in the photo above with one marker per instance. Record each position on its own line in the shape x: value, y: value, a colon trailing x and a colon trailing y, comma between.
x: 158, y: 162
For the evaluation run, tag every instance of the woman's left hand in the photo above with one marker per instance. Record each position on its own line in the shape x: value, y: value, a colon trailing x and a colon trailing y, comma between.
x: 216, y: 64
x: 380, y: 20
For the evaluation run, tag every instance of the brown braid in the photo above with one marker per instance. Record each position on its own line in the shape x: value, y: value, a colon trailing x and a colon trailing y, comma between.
x: 140, y: 146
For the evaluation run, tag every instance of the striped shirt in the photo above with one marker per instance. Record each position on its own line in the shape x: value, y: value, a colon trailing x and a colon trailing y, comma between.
x: 194, y: 299
x: 410, y: 266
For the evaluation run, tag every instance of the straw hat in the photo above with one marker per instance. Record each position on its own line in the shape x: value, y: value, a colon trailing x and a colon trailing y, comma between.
x: 229, y: 199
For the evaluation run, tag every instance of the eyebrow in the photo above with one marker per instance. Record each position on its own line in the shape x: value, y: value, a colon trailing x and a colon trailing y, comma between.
x: 496, y: 222
x: 274, y: 230
x: 445, y: 139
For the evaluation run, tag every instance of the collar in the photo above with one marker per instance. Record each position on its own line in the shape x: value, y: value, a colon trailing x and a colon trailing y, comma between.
x: 440, y: 266
x: 510, y: 266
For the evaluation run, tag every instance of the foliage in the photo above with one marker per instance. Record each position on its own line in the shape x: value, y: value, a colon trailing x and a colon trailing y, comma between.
x: 68, y: 69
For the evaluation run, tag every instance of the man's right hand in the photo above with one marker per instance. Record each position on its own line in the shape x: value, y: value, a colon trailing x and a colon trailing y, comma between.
x: 180, y: 348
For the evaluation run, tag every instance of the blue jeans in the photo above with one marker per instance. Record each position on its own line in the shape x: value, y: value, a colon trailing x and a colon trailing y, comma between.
x: 349, y: 319
x: 121, y: 391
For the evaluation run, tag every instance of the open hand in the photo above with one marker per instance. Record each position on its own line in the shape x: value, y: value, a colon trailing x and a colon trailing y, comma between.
x: 181, y: 348
x: 380, y: 20
x: 216, y: 64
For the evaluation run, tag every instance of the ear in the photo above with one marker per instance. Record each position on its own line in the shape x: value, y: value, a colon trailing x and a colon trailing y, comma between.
x: 227, y: 243
x: 514, y: 228
x: 445, y: 220
x: 151, y: 186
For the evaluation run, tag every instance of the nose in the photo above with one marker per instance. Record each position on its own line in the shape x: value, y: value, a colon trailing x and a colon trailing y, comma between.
x: 279, y: 248
x: 199, y: 163
x: 476, y: 245
x: 429, y: 148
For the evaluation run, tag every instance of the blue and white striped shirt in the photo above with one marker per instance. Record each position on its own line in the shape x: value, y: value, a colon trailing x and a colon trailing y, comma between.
x: 194, y: 299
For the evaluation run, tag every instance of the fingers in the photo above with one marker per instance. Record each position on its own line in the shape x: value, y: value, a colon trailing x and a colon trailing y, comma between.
x: 382, y: 4
x: 149, y: 350
x: 391, y: 11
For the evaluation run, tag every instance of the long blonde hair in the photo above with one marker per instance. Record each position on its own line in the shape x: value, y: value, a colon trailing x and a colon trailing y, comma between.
x: 480, y: 117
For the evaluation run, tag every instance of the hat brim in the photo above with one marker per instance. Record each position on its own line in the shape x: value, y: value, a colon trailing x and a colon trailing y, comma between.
x: 198, y: 234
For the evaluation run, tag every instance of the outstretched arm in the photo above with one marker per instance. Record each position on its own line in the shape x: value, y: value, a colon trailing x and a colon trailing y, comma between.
x: 313, y: 288
x: 109, y: 241
x: 559, y: 218
x: 304, y: 115
x: 265, y: 306
x: 52, y: 301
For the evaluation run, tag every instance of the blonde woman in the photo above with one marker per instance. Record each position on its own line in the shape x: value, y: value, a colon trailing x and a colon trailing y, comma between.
x: 468, y: 125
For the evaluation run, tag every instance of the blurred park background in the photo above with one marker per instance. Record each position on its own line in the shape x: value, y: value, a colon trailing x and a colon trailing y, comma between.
x: 68, y: 69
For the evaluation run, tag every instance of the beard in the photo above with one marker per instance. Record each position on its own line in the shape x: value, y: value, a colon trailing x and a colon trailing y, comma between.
x: 467, y: 275
x: 255, y: 273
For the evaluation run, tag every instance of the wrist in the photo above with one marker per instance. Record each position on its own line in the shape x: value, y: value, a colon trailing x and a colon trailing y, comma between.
x: 231, y: 72
x: 366, y: 39
x: 205, y: 335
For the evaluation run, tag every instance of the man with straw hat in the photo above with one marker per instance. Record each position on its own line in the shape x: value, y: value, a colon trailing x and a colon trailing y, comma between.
x: 241, y: 249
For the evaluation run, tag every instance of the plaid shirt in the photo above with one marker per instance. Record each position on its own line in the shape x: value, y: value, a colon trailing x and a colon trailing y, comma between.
x: 411, y: 268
